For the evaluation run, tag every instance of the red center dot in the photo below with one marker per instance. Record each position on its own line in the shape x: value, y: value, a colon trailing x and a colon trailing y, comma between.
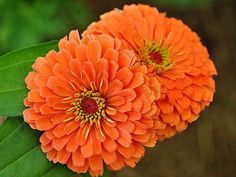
x: 156, y: 57
x: 89, y: 105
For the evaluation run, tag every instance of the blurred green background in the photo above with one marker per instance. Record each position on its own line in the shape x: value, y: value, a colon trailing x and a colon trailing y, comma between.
x: 208, y: 147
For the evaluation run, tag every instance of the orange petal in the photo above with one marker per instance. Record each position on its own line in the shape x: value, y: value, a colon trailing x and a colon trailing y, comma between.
x: 137, y: 105
x: 29, y: 80
x: 59, y: 71
x: 131, y: 162
x: 152, y: 111
x: 108, y: 157
x: 75, y: 67
x: 46, y: 148
x: 128, y: 94
x: 60, y: 118
x: 124, y: 75
x: 124, y: 60
x: 141, y: 138
x: 99, y: 134
x: 80, y: 52
x: 186, y: 114
x: 125, y: 138
x: 136, y: 80
x: 77, y: 158
x: 112, y: 132
x: 119, y: 117
x: 171, y: 118
x: 44, y: 139
x: 40, y: 80
x: 126, y: 152
x: 89, y: 69
x: 37, y: 106
x: 43, y: 67
x: 140, y: 129
x: 110, y: 111
x: 84, y: 78
x: 74, y: 35
x: 109, y: 144
x: 87, y: 148
x: 106, y: 44
x: 97, y: 148
x: 165, y: 106
x: 59, y: 143
x: 64, y: 58
x: 111, y: 54
x: 34, y: 96
x: 63, y: 156
x: 124, y: 108
x: 71, y: 126
x: 112, y: 69
x: 114, y: 86
x: 184, y: 102
x: 182, y: 125
x: 133, y: 115
x: 174, y: 94
x: 95, y: 162
x: 51, y: 154
x: 118, y: 164
x: 58, y: 131
x: 59, y: 87
x: 116, y: 101
x: 100, y: 66
x: 103, y: 86
x: 51, y: 100
x: 72, y: 145
x: 44, y: 109
x: 139, y: 150
x: 45, y: 92
x: 82, y: 134
x: 44, y: 124
x: 93, y: 50
x: 197, y: 94
x: 128, y: 125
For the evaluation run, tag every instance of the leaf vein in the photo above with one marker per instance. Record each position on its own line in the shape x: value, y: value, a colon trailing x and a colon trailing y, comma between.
x: 11, y: 90
x: 15, y: 64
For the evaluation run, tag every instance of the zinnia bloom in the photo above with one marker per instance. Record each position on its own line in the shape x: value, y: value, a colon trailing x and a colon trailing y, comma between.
x: 94, y: 104
x: 173, y: 54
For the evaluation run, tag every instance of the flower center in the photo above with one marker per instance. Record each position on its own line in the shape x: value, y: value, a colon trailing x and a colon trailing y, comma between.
x: 88, y: 106
x: 155, y: 56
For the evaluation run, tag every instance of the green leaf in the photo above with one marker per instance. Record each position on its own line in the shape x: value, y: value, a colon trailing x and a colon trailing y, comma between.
x: 21, y: 155
x: 14, y: 67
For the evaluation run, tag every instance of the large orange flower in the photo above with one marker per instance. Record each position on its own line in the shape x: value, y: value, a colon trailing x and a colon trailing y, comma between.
x: 173, y: 54
x: 93, y: 103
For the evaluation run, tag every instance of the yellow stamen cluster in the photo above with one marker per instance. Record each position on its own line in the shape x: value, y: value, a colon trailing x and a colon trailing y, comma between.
x: 89, y: 106
x: 153, y: 47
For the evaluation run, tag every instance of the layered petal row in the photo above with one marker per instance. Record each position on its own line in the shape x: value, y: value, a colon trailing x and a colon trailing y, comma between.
x: 94, y: 103
x: 173, y: 54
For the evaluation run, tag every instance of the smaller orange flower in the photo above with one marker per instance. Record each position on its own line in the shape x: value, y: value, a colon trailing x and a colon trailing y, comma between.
x: 172, y: 53
x: 95, y: 106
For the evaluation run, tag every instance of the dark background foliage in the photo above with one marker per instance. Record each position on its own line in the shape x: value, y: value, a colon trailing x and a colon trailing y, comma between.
x: 208, y: 147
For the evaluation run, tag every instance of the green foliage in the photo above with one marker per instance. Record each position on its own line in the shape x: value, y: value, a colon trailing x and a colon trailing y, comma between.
x: 14, y: 67
x: 182, y: 4
x: 21, y: 155
x: 28, y: 22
